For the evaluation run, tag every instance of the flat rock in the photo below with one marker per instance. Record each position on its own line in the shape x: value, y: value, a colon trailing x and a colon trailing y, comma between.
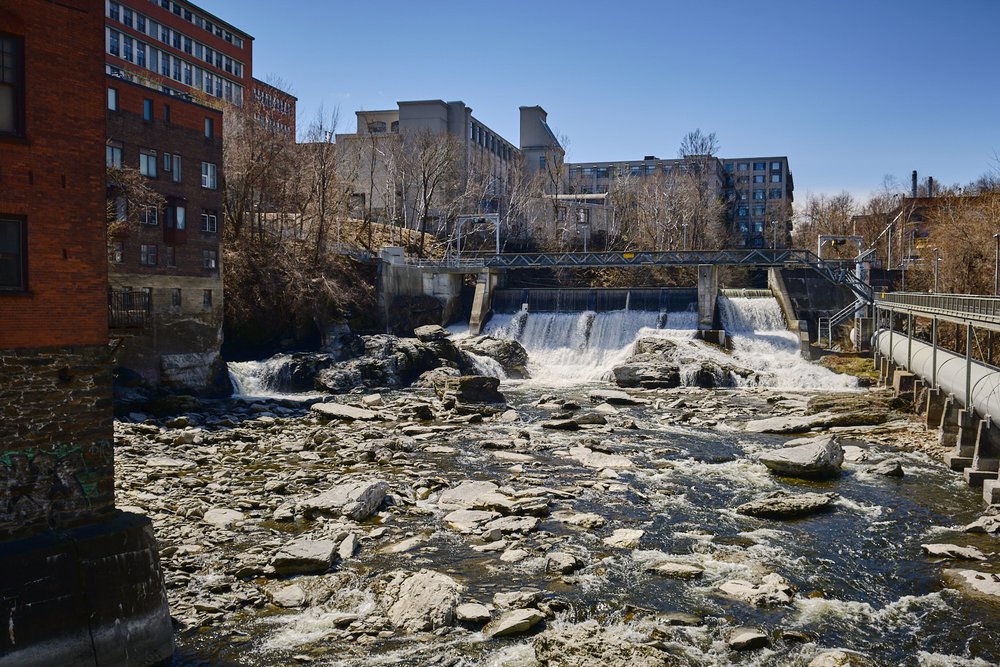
x: 815, y: 458
x: 287, y: 596
x: 513, y: 622
x: 477, y: 495
x: 984, y: 524
x: 839, y: 658
x: 430, y: 333
x: 975, y: 583
x: 356, y: 500
x: 888, y: 469
x: 782, y: 505
x: 953, y: 551
x: 422, y: 601
x: 676, y: 570
x: 747, y: 639
x: 168, y: 462
x: 562, y: 562
x: 348, y: 546
x: 517, y: 599
x: 343, y: 412
x: 561, y: 424
x: 513, y: 524
x: 304, y: 556
x: 614, y: 397
x: 773, y: 590
x: 599, y: 460
x: 586, y: 520
x: 624, y: 538
x: 469, y: 521
x: 587, y: 644
x: 222, y: 518
x: 472, y: 612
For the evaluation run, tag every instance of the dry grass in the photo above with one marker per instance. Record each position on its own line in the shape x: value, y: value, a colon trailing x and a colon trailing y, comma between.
x: 852, y: 363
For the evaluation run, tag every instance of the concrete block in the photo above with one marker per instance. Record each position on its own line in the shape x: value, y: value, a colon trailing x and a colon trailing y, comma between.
x: 991, y: 492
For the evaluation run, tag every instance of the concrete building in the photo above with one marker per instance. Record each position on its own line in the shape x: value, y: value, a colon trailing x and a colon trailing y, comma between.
x: 79, y: 580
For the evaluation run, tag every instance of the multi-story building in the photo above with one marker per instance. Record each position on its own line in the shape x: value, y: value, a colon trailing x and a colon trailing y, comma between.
x: 165, y: 259
x: 79, y: 580
x: 172, y: 69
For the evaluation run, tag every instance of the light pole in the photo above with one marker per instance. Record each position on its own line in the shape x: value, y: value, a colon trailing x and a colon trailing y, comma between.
x: 996, y: 266
x: 685, y: 225
x: 936, y: 260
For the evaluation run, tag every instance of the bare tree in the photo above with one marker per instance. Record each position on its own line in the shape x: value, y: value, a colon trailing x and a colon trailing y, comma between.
x: 698, y: 144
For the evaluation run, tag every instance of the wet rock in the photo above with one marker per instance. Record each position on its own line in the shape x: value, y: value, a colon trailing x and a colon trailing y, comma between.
x: 888, y: 469
x: 839, y: 658
x: 420, y: 601
x: 680, y: 618
x: 512, y: 524
x: 348, y: 546
x: 984, y: 524
x: 304, y: 556
x: 614, y: 397
x: 974, y: 583
x: 783, y: 505
x: 772, y: 591
x: 343, y: 412
x: 585, y: 520
x: 561, y: 424
x: 287, y: 596
x: 676, y: 570
x: 469, y: 389
x: 561, y: 562
x: 513, y: 622
x: 517, y: 599
x: 818, y: 457
x: 624, y: 538
x: 589, y: 645
x: 388, y: 361
x: 747, y: 639
x: 510, y: 354
x: 469, y: 521
x: 430, y: 333
x: 647, y: 374
x: 222, y: 518
x: 479, y: 495
x: 953, y: 551
x: 472, y: 612
x: 355, y: 500
x: 588, y: 457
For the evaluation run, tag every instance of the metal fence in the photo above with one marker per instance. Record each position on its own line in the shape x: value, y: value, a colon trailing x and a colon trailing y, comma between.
x: 128, y: 309
x: 984, y: 309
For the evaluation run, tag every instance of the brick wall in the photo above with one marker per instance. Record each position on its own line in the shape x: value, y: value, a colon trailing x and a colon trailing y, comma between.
x: 53, y: 176
x: 56, y: 459
x: 183, y: 135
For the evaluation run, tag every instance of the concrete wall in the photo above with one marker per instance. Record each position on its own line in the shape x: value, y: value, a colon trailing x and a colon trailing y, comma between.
x: 398, y: 281
x: 813, y: 296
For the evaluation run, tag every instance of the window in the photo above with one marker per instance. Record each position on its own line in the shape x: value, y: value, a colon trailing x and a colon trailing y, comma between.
x: 759, y: 178
x: 759, y: 209
x: 776, y: 178
x: 393, y: 126
x: 209, y: 222
x: 147, y: 162
x: 147, y: 254
x: 13, y: 251
x: 127, y: 16
x: 742, y: 211
x: 150, y: 215
x: 121, y: 209
x: 209, y: 259
x: 114, y: 11
x: 164, y: 64
x: 113, y: 43
x: 127, y: 43
x: 206, y: 298
x: 166, y: 113
x: 376, y: 127
x: 170, y: 257
x: 541, y: 162
x: 743, y: 166
x: 759, y: 166
x: 147, y: 109
x: 118, y: 252
x: 209, y: 128
x: 113, y: 99
x: 175, y: 217
x: 729, y: 167
x: 208, y: 179
x: 175, y: 297
x: 167, y: 161
x: 775, y: 193
x: 113, y: 155
x: 758, y: 194
x: 177, y: 169
x: 775, y: 166
x: 140, y: 23
x: 140, y: 54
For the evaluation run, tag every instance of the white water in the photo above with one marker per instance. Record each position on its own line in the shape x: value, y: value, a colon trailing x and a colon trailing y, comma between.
x: 256, y: 379
x: 574, y: 348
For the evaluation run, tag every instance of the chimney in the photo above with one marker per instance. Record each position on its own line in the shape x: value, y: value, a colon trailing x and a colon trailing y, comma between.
x: 914, y: 181
x: 930, y: 186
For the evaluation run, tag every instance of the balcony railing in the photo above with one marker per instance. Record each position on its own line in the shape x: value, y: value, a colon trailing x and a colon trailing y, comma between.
x: 128, y: 309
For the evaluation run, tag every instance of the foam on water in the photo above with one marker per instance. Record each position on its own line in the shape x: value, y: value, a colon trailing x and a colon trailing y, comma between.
x: 257, y: 379
x: 487, y: 366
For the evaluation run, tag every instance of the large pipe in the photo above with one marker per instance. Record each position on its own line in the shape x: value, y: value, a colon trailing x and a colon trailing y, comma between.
x: 983, y: 381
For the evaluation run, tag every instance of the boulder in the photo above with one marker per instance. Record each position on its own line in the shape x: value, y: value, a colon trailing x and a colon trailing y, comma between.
x: 888, y: 469
x: 783, y: 505
x: 422, y: 601
x: 953, y: 552
x: 472, y: 612
x: 640, y: 372
x: 287, y: 596
x: 818, y: 457
x: 222, y: 518
x: 517, y: 599
x: 356, y: 500
x: 839, y: 658
x: 387, y: 362
x: 430, y: 333
x: 304, y: 556
x: 624, y: 538
x: 513, y: 622
x: 470, y: 388
x: 510, y: 354
x: 614, y: 397
x: 561, y: 562
x: 561, y: 424
x: 977, y: 584
x: 589, y: 645
x: 747, y: 639
x: 772, y: 591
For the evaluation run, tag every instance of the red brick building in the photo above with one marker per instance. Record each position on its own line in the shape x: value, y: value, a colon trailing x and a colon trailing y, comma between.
x: 58, y: 526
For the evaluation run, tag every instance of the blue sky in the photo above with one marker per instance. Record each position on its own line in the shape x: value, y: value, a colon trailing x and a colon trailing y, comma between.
x: 849, y: 90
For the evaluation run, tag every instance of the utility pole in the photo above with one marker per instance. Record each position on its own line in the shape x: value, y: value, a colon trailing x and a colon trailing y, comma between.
x: 936, y: 260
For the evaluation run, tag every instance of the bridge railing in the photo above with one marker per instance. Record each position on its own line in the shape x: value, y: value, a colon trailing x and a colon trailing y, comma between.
x: 972, y: 307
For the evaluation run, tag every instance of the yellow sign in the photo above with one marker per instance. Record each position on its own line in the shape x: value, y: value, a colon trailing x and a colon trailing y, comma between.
x: 628, y: 255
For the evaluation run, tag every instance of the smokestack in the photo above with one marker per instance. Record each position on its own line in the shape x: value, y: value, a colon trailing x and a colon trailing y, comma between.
x: 930, y: 186
x: 914, y: 180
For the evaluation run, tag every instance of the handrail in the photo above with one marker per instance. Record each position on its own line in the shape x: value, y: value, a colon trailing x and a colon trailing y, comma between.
x: 976, y: 308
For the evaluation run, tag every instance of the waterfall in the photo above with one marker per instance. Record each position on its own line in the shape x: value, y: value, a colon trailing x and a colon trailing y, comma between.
x: 760, y: 342
x: 264, y: 379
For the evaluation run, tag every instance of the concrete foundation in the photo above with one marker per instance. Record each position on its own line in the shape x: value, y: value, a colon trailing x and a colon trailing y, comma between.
x: 962, y: 426
x: 84, y: 596
x: 708, y: 295
x: 482, y: 302
x: 714, y: 336
x: 934, y: 408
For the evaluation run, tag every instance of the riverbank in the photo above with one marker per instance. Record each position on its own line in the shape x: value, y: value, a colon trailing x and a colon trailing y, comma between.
x: 570, y: 523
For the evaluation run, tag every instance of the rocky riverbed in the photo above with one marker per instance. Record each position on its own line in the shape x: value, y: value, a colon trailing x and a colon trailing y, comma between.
x: 584, y: 527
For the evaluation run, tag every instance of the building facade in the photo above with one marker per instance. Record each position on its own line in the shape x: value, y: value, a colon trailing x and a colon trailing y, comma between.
x: 79, y: 580
x: 165, y: 253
